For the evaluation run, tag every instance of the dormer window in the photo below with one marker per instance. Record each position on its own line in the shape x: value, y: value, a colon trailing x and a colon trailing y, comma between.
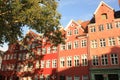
x: 104, y: 16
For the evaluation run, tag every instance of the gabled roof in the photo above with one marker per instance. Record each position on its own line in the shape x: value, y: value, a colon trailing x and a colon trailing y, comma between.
x: 70, y: 23
x: 101, y: 3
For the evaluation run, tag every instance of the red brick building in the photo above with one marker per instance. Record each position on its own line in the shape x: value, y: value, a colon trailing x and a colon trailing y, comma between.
x: 104, y: 40
x: 73, y: 56
x: 91, y: 52
x: 18, y: 62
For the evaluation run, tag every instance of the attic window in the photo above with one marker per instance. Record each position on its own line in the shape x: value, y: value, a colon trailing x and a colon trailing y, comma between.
x: 104, y: 16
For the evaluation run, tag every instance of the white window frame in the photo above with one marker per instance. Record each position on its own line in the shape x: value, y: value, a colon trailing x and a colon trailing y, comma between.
x: 85, y: 77
x: 102, y: 42
x: 117, y: 24
x: 101, y: 27
x: 69, y: 32
x: 114, y: 59
x: 95, y: 60
x: 48, y: 63
x: 69, y: 61
x: 83, y: 43
x: 104, y: 59
x: 54, y: 63
x: 62, y: 47
x: 111, y: 41
x: 69, y: 45
x: 38, y: 51
x: 109, y: 26
x: 69, y: 78
x: 76, y: 61
x: 76, y: 77
x: 84, y: 60
x: 94, y: 44
x: 118, y: 38
x: 37, y: 64
x: 54, y: 49
x: 75, y: 31
x: 44, y: 51
x: 48, y: 50
x: 62, y: 62
x: 42, y: 64
x: 92, y: 29
x: 76, y: 44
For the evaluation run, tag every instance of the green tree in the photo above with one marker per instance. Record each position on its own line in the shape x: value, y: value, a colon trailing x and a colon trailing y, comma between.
x: 39, y: 15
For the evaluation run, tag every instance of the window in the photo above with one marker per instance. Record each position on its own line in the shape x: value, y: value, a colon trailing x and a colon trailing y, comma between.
x: 84, y: 43
x: 42, y: 64
x: 62, y: 62
x: 104, y: 16
x: 48, y: 50
x: 54, y: 49
x: 69, y: 78
x: 62, y: 46
x: 39, y: 51
x: 94, y: 44
x: 76, y: 44
x: 109, y: 26
x: 69, y: 45
x: 37, y: 64
x: 104, y: 59
x: 76, y: 78
x: 85, y: 77
x: 48, y: 64
x: 101, y: 27
x: 69, y: 61
x: 114, y: 59
x: 43, y: 50
x: 117, y: 24
x: 111, y: 41
x: 102, y: 43
x: 95, y: 60
x: 41, y: 77
x: 62, y: 77
x: 36, y: 77
x: 118, y: 40
x: 47, y: 77
x: 69, y: 32
x: 92, y: 29
x: 54, y: 63
x: 76, y: 31
x: 84, y: 59
x: 76, y: 60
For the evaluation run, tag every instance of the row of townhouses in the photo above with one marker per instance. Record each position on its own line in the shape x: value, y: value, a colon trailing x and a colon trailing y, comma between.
x: 91, y: 52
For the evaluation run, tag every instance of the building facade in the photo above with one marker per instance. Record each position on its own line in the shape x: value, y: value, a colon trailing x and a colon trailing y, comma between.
x: 73, y: 56
x: 91, y: 52
x: 104, y: 40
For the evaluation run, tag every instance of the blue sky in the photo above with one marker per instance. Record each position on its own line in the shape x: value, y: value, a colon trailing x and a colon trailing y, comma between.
x: 78, y: 10
x: 81, y: 9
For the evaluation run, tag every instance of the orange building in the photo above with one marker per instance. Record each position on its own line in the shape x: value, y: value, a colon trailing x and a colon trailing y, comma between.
x: 73, y: 56
x: 104, y: 40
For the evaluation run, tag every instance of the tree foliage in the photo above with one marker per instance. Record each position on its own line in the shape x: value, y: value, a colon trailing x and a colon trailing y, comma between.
x: 39, y: 15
